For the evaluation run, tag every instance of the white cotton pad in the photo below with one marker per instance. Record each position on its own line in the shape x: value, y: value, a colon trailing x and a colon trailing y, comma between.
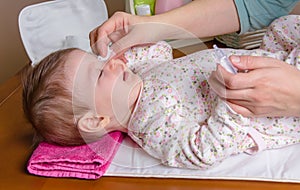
x: 108, y: 55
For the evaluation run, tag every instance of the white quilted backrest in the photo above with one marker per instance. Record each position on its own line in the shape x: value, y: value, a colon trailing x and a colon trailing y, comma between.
x: 54, y: 25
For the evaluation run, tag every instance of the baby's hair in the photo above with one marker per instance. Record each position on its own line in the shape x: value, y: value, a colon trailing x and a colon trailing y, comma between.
x: 47, y: 100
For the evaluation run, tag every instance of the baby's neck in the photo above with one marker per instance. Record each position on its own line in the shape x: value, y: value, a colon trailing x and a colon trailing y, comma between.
x: 122, y: 124
x: 116, y: 126
x: 121, y: 120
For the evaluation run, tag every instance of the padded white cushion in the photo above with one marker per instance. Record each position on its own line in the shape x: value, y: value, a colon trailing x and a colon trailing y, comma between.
x: 45, y: 27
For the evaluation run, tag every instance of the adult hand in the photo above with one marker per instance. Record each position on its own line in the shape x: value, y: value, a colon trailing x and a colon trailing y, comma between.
x: 270, y: 87
x: 125, y: 30
x: 112, y: 30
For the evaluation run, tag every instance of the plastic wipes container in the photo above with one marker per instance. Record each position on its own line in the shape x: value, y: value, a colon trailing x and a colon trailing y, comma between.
x: 152, y: 7
x: 144, y: 7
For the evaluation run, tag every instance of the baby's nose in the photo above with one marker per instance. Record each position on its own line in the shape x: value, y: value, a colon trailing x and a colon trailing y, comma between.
x: 116, y: 63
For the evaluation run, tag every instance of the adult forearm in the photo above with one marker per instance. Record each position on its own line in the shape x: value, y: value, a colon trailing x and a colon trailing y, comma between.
x: 203, y: 18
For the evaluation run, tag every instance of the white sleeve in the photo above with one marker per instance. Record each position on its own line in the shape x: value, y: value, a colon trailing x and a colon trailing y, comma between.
x: 161, y: 51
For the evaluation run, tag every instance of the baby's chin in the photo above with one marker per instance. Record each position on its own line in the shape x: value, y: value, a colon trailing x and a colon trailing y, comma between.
x: 135, y: 93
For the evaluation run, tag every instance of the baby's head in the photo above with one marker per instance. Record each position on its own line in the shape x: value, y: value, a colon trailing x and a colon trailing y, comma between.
x: 71, y: 98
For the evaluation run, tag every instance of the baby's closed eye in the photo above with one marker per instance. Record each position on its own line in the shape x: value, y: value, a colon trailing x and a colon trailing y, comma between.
x: 100, y: 73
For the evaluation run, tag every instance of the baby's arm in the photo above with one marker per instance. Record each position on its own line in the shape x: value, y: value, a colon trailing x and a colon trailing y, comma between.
x: 161, y: 51
x: 182, y: 142
x: 282, y: 35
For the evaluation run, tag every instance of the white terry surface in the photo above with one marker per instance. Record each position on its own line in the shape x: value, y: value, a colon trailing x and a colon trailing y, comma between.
x: 58, y: 24
x: 280, y: 165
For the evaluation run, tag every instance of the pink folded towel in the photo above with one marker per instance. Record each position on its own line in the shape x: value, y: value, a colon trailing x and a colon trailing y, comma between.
x: 85, y: 161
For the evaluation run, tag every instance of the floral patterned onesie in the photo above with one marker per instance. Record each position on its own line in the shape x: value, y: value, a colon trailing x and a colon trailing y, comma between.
x: 180, y: 120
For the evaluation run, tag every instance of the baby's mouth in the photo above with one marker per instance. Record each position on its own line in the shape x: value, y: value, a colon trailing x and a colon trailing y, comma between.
x: 125, y: 75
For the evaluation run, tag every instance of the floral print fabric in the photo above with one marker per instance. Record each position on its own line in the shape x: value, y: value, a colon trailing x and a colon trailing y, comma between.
x: 180, y: 120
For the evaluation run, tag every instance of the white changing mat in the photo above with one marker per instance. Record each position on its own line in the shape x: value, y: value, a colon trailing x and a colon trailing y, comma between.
x: 58, y: 24
x: 280, y: 165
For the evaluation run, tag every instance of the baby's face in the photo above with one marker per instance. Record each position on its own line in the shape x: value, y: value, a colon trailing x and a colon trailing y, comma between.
x: 109, y: 89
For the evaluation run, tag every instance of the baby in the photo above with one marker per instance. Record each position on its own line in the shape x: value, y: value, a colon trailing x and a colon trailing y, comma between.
x: 166, y: 106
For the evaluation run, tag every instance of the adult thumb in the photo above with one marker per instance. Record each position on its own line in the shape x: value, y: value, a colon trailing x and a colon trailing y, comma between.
x: 247, y: 62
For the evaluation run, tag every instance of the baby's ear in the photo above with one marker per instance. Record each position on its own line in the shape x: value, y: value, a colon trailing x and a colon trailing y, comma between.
x: 93, y: 123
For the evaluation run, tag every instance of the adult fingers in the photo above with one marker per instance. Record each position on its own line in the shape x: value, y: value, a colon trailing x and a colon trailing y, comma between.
x: 101, y: 36
x: 135, y: 35
x: 235, y: 81
x: 240, y: 109
x: 247, y: 62
x: 216, y: 85
x: 99, y: 41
